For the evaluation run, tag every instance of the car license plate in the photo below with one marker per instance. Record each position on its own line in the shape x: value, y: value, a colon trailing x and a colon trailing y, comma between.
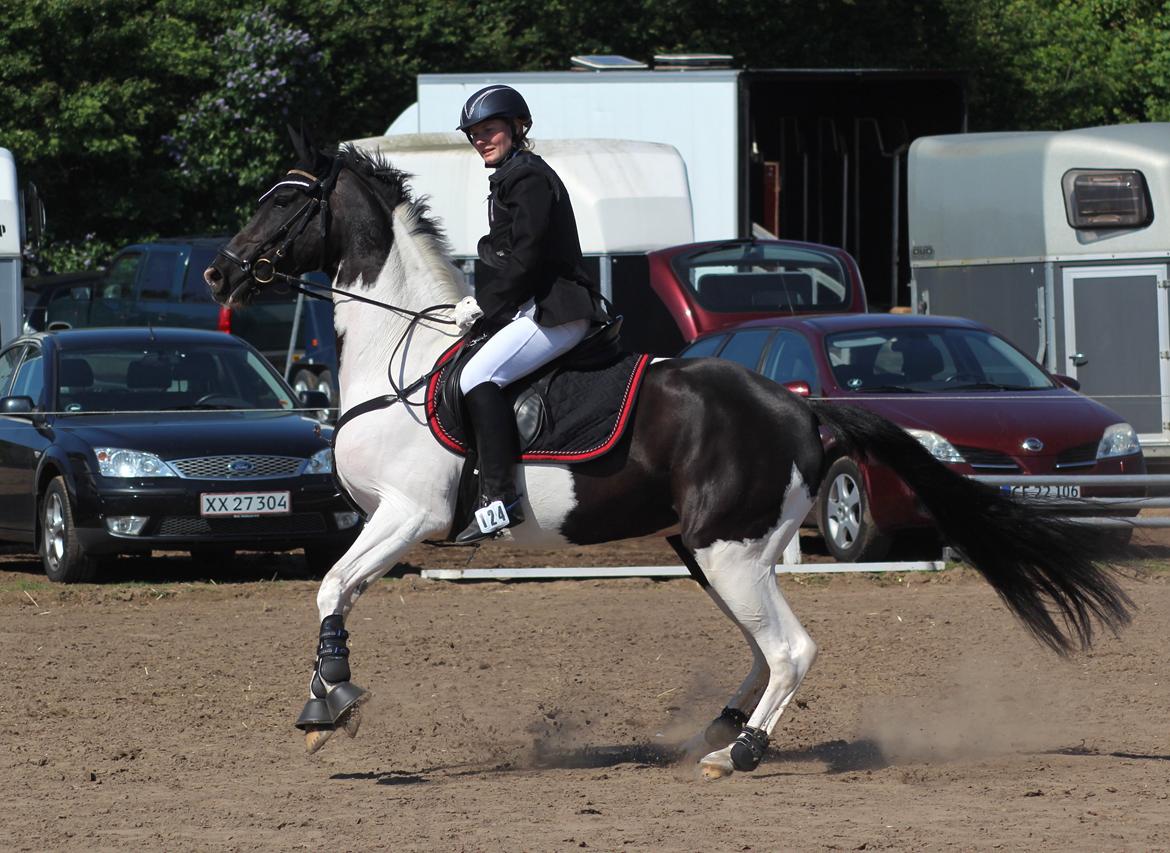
x: 244, y: 503
x: 1062, y: 491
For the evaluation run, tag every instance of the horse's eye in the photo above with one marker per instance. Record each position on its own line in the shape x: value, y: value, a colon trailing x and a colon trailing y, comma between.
x: 282, y: 198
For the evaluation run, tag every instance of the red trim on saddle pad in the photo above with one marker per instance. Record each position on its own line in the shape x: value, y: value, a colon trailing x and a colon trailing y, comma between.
x: 621, y: 421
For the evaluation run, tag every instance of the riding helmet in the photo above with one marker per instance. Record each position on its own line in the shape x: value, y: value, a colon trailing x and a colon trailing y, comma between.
x: 496, y: 101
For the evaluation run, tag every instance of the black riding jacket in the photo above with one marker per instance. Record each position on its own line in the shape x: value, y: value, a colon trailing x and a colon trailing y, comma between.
x: 533, y: 249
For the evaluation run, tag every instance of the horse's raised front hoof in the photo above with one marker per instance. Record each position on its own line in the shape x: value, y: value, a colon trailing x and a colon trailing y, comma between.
x: 726, y: 727
x: 717, y: 764
x: 316, y: 737
x: 351, y: 720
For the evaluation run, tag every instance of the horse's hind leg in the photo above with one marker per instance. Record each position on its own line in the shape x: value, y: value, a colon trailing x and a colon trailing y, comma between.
x: 742, y: 574
x: 730, y: 722
x: 334, y: 701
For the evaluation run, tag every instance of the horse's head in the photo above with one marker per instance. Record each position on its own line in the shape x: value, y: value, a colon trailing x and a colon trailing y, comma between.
x: 287, y: 234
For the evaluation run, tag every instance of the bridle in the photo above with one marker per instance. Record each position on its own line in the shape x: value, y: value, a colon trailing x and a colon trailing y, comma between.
x: 261, y: 270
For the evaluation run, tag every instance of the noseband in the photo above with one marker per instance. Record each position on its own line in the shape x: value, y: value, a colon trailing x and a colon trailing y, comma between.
x: 261, y: 267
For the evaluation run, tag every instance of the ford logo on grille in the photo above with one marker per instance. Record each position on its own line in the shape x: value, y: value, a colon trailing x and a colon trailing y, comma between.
x: 1033, y: 445
x: 240, y: 466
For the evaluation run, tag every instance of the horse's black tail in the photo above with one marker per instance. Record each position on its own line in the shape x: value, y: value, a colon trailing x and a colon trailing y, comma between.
x: 1040, y: 563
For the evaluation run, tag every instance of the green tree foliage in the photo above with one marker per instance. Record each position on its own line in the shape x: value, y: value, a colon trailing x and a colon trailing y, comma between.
x: 144, y: 117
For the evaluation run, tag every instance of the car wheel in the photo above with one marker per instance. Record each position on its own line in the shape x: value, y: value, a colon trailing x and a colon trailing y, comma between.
x: 325, y: 386
x: 844, y: 518
x: 321, y: 558
x: 304, y: 380
x: 64, y: 559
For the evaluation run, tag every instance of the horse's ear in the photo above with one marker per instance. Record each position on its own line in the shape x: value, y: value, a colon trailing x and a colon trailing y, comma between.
x: 303, y: 145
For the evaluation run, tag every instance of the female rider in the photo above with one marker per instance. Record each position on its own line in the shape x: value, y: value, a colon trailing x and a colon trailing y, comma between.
x: 538, y: 303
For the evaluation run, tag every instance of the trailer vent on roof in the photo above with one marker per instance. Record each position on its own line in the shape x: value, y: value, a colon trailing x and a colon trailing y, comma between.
x: 606, y: 62
x: 1106, y: 198
x: 677, y: 61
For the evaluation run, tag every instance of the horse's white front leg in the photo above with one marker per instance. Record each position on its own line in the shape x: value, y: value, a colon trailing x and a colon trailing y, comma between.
x: 334, y: 700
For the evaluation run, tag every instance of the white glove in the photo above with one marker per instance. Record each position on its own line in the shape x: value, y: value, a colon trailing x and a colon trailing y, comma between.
x: 467, y: 311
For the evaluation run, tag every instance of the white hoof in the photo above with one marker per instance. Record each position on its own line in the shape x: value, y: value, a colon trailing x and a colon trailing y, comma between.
x: 717, y: 764
x: 316, y: 738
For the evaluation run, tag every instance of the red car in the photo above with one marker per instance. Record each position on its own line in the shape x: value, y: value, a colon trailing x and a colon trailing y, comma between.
x: 970, y: 396
x: 689, y: 290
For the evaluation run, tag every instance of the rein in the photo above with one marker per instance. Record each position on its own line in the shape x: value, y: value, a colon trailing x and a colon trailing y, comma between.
x: 262, y: 270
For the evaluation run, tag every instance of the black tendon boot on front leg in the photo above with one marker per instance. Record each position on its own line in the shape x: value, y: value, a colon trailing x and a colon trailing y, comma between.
x: 498, y: 447
x: 748, y: 749
x: 332, y: 695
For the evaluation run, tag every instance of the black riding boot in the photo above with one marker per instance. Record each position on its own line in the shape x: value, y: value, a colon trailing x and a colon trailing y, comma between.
x: 498, y: 446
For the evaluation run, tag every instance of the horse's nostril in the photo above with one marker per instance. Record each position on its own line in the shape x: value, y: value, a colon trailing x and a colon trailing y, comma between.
x: 212, y: 276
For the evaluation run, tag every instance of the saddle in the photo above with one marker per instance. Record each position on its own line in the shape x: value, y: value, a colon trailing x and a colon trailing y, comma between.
x: 574, y: 409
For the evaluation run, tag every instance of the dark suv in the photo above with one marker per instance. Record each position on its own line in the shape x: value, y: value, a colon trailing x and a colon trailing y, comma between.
x: 161, y: 284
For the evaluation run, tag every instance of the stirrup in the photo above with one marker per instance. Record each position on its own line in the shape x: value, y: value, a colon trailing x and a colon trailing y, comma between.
x: 491, y: 518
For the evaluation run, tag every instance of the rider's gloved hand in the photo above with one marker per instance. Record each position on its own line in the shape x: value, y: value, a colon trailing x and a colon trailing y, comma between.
x: 467, y: 311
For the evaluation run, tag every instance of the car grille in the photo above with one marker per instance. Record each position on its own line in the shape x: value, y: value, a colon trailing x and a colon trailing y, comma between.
x: 194, y: 525
x: 237, y: 467
x: 979, y: 458
x: 1083, y: 456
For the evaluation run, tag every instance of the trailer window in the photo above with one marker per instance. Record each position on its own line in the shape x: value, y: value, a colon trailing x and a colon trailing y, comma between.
x: 1099, y: 198
x: 753, y: 277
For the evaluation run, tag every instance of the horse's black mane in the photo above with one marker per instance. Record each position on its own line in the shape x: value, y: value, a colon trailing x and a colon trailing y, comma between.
x: 390, y: 184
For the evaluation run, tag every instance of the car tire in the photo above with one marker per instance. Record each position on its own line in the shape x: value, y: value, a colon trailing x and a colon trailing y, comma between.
x: 64, y: 559
x: 843, y: 515
x: 321, y: 558
x: 325, y: 386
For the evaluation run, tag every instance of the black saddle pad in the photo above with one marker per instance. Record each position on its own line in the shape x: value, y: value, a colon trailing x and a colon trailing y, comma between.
x: 565, y: 414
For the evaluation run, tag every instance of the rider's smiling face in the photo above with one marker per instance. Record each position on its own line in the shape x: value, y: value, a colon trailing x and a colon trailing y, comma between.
x: 492, y: 138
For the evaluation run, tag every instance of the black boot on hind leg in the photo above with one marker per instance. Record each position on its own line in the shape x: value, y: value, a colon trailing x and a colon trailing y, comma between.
x: 726, y: 727
x: 332, y: 695
x: 498, y: 448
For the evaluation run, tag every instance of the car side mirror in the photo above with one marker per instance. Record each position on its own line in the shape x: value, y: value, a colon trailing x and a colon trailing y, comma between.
x: 314, y: 400
x: 798, y: 387
x: 1067, y: 381
x: 16, y: 406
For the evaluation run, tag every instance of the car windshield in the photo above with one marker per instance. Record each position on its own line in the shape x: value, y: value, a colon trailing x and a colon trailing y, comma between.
x: 748, y: 277
x: 939, y: 359
x: 165, y: 377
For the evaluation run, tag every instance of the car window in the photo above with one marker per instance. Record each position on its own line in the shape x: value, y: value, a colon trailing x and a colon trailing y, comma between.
x: 30, y: 376
x: 790, y: 359
x: 169, y: 377
x: 930, y: 359
x: 704, y: 347
x: 761, y: 276
x: 195, y: 289
x: 746, y: 347
x: 119, y: 283
x: 160, y: 275
x: 8, y: 361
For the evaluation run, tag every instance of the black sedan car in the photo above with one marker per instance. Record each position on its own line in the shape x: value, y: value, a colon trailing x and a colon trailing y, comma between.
x: 127, y: 440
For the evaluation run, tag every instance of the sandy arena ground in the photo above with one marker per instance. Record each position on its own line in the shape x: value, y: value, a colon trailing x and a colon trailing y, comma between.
x: 154, y: 713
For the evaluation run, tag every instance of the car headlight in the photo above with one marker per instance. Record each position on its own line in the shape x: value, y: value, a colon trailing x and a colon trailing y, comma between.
x: 320, y: 462
x: 1118, y: 440
x: 118, y: 462
x: 939, y: 447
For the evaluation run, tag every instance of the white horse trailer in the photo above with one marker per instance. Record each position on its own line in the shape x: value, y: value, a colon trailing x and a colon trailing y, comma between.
x: 12, y: 235
x: 629, y: 198
x: 815, y: 155
x: 1059, y: 240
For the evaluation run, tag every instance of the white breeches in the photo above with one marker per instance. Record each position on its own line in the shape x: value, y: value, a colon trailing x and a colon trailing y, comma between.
x: 519, y: 348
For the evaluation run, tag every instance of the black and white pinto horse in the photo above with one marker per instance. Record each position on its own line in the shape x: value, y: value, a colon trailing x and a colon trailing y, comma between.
x: 722, y: 461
